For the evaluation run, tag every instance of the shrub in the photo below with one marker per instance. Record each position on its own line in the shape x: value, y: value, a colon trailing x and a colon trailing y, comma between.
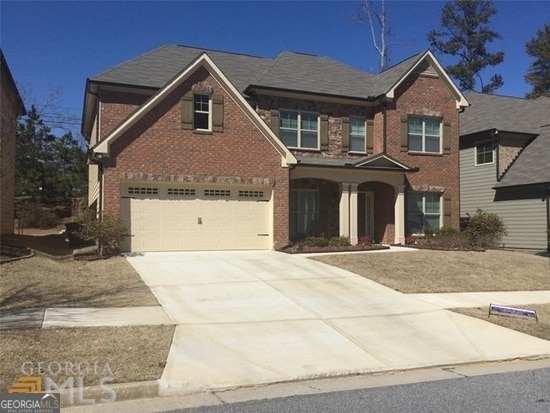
x: 366, y: 241
x: 107, y: 231
x: 316, y: 242
x: 33, y: 216
x: 485, y: 229
x: 338, y: 242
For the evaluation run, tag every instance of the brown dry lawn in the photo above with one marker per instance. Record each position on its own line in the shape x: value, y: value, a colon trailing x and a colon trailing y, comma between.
x: 134, y: 353
x: 427, y: 271
x: 40, y: 282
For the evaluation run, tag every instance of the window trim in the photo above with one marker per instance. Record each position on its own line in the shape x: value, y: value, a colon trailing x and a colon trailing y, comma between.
x: 423, y: 136
x: 209, y: 96
x: 485, y: 143
x: 299, y: 130
x: 364, y: 136
x: 424, y: 213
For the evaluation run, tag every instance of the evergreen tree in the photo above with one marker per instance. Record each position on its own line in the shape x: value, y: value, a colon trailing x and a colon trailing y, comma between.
x: 539, y: 71
x: 465, y: 33
x: 47, y: 166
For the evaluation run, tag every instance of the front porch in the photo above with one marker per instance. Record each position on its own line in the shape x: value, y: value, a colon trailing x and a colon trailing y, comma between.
x: 352, y: 201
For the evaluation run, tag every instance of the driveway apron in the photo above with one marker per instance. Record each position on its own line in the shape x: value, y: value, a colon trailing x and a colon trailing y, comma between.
x: 254, y: 317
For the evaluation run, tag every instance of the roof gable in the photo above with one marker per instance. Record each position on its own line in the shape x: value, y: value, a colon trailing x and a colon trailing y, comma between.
x: 383, y: 161
x: 103, y: 146
x: 393, y: 77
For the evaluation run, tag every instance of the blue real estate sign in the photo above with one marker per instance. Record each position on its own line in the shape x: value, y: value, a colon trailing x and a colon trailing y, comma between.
x: 512, y: 311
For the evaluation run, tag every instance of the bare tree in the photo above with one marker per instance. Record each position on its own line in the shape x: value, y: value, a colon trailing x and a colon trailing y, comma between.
x: 378, y: 22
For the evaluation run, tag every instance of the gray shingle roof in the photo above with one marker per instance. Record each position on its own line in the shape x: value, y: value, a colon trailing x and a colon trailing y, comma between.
x: 504, y: 113
x: 533, y: 165
x: 155, y: 68
x: 314, y: 74
x: 288, y: 71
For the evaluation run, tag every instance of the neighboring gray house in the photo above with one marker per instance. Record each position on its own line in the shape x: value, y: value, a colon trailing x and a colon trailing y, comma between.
x: 505, y: 164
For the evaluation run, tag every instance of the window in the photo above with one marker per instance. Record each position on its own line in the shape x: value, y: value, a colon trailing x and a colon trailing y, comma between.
x: 139, y: 190
x: 304, y: 212
x: 357, y: 134
x: 217, y: 192
x: 299, y: 129
x: 201, y: 112
x: 484, y: 153
x: 423, y: 210
x: 424, y: 135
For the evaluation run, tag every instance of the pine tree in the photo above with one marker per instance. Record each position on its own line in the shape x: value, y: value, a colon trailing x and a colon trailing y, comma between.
x: 539, y: 71
x: 465, y: 33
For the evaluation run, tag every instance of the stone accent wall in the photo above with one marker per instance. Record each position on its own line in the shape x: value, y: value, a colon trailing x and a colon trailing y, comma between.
x: 509, y: 149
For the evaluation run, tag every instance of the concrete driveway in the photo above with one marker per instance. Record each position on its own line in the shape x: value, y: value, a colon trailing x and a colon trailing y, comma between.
x: 247, y: 318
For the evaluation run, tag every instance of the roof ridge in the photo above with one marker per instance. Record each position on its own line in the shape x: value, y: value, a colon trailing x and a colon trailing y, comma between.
x: 206, y: 49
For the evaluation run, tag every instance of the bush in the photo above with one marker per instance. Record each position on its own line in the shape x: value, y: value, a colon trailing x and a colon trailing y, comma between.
x: 485, y: 229
x: 366, y: 241
x: 33, y: 216
x: 316, y: 242
x: 107, y: 231
x: 338, y: 242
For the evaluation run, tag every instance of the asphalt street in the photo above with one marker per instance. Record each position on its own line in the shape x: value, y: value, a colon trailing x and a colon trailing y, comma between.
x: 518, y: 392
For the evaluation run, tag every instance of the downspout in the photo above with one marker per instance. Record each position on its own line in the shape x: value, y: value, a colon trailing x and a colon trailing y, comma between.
x: 496, y: 146
x: 384, y: 125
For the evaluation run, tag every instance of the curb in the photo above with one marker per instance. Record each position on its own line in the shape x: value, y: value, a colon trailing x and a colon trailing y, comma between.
x: 94, y: 394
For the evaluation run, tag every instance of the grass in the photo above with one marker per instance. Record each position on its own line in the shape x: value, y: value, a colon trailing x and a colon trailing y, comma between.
x: 539, y: 329
x: 42, y: 282
x: 131, y: 353
x: 427, y: 271
x: 135, y: 353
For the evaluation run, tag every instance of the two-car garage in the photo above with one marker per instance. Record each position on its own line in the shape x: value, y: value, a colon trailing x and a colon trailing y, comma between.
x: 170, y: 217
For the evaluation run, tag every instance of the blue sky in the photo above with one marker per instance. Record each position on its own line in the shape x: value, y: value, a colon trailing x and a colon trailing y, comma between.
x: 53, y: 45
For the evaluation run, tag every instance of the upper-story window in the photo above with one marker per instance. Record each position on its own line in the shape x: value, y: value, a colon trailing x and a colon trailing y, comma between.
x: 484, y: 153
x: 201, y: 111
x: 424, y: 135
x: 357, y: 134
x: 299, y: 129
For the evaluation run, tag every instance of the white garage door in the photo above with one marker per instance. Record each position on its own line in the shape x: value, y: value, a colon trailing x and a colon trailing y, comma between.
x: 173, y: 218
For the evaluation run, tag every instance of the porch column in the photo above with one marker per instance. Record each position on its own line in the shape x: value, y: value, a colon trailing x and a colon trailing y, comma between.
x: 399, y: 214
x: 353, y: 199
x: 344, y: 210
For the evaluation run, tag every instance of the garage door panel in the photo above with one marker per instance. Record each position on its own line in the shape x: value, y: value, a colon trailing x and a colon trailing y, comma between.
x: 208, y: 220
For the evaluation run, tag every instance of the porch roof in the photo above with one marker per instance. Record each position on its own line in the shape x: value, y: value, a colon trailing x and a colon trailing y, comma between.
x: 375, y: 162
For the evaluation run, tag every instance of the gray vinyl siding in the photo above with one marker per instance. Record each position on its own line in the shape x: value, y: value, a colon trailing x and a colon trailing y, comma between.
x: 525, y: 219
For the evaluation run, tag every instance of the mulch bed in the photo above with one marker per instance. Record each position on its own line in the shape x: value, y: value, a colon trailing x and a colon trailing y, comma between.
x: 303, y: 249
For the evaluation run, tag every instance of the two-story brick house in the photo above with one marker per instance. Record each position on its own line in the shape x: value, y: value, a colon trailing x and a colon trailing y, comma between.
x: 202, y: 149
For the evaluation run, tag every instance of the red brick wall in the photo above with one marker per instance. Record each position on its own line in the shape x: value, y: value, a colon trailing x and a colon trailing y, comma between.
x: 158, y: 145
x: 427, y: 96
